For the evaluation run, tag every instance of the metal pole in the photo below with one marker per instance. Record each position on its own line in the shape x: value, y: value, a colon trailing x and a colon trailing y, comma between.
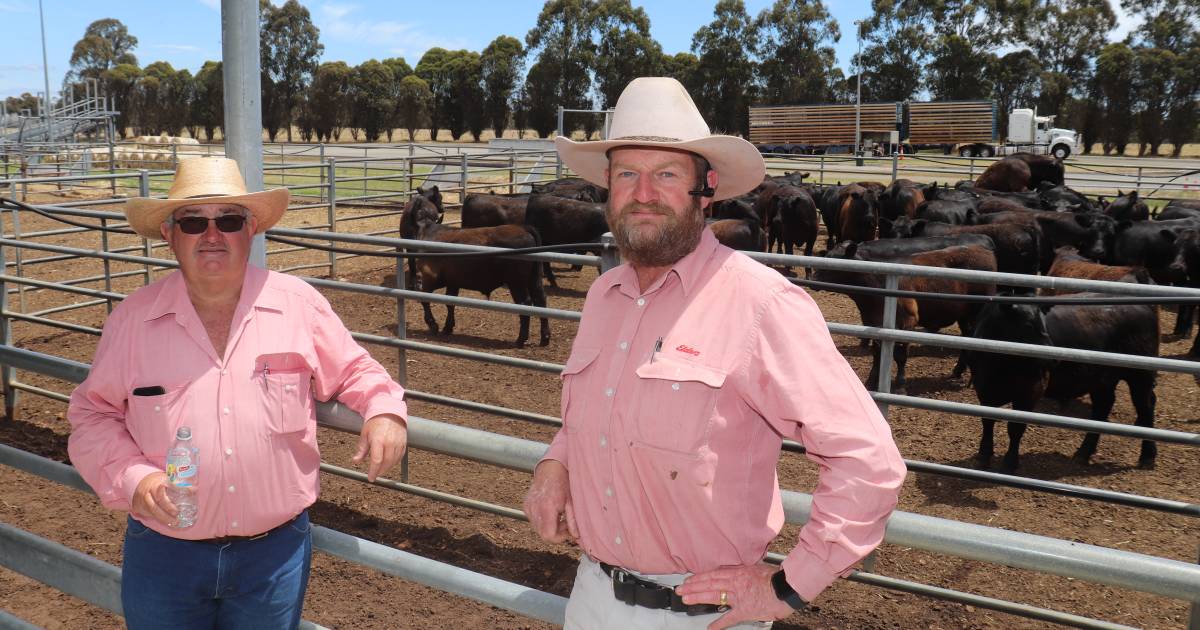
x: 332, y: 169
x: 48, y: 116
x: 19, y: 257
x: 1139, y: 181
x: 6, y: 371
x: 610, y: 256
x: 463, y: 178
x: 858, y: 98
x: 891, y: 283
x: 895, y: 163
x: 364, y: 181
x: 321, y: 160
x: 144, y: 191
x: 402, y: 353
x: 821, y: 172
x: 243, y: 100
x: 1194, y: 615
x: 558, y: 159
x: 107, y: 261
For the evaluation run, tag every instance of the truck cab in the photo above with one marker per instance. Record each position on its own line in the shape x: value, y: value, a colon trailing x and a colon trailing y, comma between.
x: 1025, y: 127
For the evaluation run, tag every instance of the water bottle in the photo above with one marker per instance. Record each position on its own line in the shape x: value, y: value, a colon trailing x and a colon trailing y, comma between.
x: 181, y: 471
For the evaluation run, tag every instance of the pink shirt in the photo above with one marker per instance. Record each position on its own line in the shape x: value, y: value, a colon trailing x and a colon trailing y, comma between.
x: 672, y: 452
x: 251, y: 412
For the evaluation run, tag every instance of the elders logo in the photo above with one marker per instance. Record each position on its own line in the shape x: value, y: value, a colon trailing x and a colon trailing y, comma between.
x: 686, y: 350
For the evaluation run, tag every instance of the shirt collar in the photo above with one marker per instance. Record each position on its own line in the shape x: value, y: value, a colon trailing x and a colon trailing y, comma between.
x: 688, y: 269
x: 173, y: 298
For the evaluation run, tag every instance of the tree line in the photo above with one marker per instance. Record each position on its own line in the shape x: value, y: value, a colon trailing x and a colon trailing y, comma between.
x: 1052, y: 54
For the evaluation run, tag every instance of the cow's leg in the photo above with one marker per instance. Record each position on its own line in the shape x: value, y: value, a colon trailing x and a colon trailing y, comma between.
x: 1012, y: 457
x: 520, y: 295
x: 1103, y: 396
x: 537, y: 296
x: 448, y: 327
x: 808, y: 251
x: 429, y: 319
x: 1183, y: 321
x: 549, y: 273
x: 900, y: 358
x: 1141, y: 393
x: 873, y: 377
x: 1195, y: 351
x: 983, y: 460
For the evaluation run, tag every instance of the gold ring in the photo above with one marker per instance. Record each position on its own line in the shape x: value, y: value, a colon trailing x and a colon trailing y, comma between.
x: 724, y: 601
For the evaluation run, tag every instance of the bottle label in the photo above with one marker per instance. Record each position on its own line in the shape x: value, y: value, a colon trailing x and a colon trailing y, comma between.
x: 181, y: 474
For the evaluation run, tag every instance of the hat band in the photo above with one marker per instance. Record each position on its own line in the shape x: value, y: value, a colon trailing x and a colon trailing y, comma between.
x: 648, y: 139
x: 218, y: 195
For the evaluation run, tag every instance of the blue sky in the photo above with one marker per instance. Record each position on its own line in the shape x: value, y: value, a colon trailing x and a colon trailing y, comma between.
x: 188, y: 32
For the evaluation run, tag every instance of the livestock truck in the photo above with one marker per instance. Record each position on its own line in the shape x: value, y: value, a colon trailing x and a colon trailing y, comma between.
x: 966, y: 128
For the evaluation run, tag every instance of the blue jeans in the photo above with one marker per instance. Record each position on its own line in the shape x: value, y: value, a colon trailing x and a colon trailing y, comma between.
x: 255, y: 584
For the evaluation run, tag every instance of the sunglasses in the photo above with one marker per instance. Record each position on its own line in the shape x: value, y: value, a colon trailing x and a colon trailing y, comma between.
x: 225, y: 223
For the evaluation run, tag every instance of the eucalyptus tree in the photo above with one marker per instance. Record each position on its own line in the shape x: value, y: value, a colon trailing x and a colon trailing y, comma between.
x: 725, y: 72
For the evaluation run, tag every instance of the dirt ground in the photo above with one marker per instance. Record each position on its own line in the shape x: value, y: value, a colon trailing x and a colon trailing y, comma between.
x: 344, y: 595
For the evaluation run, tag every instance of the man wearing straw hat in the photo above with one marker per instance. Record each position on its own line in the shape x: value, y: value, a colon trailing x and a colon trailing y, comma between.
x: 692, y: 363
x: 237, y: 354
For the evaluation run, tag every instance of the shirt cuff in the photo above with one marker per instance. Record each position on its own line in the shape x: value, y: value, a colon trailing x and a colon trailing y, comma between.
x: 387, y: 404
x: 557, y: 450
x: 808, y: 574
x: 132, y: 477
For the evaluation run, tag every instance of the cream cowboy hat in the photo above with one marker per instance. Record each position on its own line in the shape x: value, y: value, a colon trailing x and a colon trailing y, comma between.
x: 657, y: 112
x: 206, y: 180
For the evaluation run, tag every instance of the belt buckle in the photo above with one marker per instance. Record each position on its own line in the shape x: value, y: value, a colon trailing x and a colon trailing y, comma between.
x: 624, y: 587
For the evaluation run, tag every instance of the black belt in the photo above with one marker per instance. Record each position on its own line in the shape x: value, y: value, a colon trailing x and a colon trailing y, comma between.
x: 225, y: 540
x: 635, y: 591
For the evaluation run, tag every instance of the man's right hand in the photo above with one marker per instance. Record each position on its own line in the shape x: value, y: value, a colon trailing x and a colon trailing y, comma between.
x: 150, y: 499
x: 548, y: 504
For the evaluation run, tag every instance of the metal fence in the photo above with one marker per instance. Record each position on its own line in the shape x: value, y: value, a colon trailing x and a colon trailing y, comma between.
x: 886, y: 334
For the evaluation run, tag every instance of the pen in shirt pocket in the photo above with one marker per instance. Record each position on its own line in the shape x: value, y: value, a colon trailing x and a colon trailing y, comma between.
x: 657, y: 347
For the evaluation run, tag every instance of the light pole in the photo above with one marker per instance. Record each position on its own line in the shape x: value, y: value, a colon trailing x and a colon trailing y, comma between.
x: 858, y: 94
x: 45, y: 71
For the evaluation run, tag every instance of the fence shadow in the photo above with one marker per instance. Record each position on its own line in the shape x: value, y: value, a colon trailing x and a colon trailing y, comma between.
x: 34, y: 439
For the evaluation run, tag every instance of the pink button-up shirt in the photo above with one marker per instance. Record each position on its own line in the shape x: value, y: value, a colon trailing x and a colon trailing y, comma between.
x: 251, y: 412
x: 675, y: 402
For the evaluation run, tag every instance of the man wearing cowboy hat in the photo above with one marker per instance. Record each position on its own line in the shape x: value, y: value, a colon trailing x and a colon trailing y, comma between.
x: 692, y: 363
x: 237, y: 353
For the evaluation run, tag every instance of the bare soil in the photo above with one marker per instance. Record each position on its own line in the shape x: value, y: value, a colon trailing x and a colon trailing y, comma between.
x: 344, y: 595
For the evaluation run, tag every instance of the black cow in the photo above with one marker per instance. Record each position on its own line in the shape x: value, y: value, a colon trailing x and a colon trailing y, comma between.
x: 900, y: 199
x: 559, y: 220
x: 949, y: 211
x: 739, y: 234
x: 571, y: 188
x: 1094, y: 234
x: 1177, y: 212
x: 523, y: 278
x: 480, y: 210
x: 1153, y: 245
x: 856, y: 216
x: 791, y: 219
x: 1061, y: 198
x: 1018, y: 247
x: 1126, y: 207
x: 1022, y: 381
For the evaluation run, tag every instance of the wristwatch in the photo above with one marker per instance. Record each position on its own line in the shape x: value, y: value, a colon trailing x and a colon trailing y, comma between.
x: 785, y: 592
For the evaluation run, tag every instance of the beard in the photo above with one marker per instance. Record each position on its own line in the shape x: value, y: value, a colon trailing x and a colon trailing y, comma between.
x: 648, y: 245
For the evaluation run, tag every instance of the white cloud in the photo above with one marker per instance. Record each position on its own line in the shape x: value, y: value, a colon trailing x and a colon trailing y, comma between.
x: 15, y: 7
x: 212, y: 4
x: 407, y: 39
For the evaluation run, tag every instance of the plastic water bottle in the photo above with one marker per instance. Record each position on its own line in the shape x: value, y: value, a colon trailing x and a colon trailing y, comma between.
x: 181, y: 471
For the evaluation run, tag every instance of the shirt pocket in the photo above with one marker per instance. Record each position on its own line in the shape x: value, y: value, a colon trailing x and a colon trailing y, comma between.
x: 286, y: 381
x: 674, y: 403
x: 575, y: 376
x: 679, y: 493
x: 153, y: 420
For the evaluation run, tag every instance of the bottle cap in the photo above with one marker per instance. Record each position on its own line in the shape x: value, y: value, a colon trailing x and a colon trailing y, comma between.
x: 184, y: 433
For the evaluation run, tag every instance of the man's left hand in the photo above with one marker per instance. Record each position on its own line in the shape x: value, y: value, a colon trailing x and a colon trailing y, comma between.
x: 384, y: 437
x: 748, y: 593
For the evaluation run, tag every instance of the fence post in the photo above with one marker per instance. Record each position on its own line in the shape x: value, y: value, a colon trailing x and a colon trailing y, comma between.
x: 364, y: 181
x: 6, y: 371
x: 610, y: 256
x: 19, y: 258
x: 174, y: 157
x: 321, y: 160
x: 112, y: 164
x: 895, y: 164
x: 463, y: 179
x: 107, y: 263
x: 332, y: 170
x: 144, y: 191
x: 402, y: 353
x: 971, y: 171
x: 1194, y: 615
x: 821, y: 172
x: 512, y: 173
x: 886, y: 347
x: 1139, y: 181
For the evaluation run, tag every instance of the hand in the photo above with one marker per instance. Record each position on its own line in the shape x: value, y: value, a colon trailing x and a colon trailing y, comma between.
x: 548, y: 503
x: 748, y: 593
x: 385, y: 437
x: 150, y: 499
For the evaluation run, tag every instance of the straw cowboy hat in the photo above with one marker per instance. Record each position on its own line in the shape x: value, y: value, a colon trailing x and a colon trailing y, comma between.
x: 657, y: 112
x: 206, y: 180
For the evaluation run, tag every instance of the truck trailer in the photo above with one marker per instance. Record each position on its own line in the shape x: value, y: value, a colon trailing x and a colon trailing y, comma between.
x: 966, y: 128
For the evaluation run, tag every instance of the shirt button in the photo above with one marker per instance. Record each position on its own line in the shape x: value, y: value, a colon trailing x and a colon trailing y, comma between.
x: 233, y: 524
x: 608, y: 491
x: 229, y: 451
x: 224, y: 372
x: 641, y: 302
x: 608, y: 392
x: 231, y: 488
x: 617, y: 540
x: 226, y: 411
x: 675, y: 386
x: 623, y: 345
x: 157, y: 408
x: 603, y: 441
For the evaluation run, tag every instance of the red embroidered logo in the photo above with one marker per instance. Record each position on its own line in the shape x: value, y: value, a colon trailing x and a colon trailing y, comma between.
x: 686, y: 350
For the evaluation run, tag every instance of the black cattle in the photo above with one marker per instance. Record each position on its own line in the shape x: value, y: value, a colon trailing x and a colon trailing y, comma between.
x: 1022, y: 381
x: 1127, y: 207
x: 994, y: 204
x: 856, y: 216
x: 739, y: 234
x: 1028, y: 199
x: 1177, y: 212
x: 1060, y: 198
x: 522, y: 278
x: 791, y: 218
x: 1154, y: 245
x: 741, y: 207
x: 826, y: 198
x: 1021, y: 171
x: 433, y: 194
x: 1094, y: 235
x: 948, y: 211
x: 571, y: 188
x: 559, y: 220
x: 1018, y: 247
x: 931, y: 315
x: 480, y: 210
